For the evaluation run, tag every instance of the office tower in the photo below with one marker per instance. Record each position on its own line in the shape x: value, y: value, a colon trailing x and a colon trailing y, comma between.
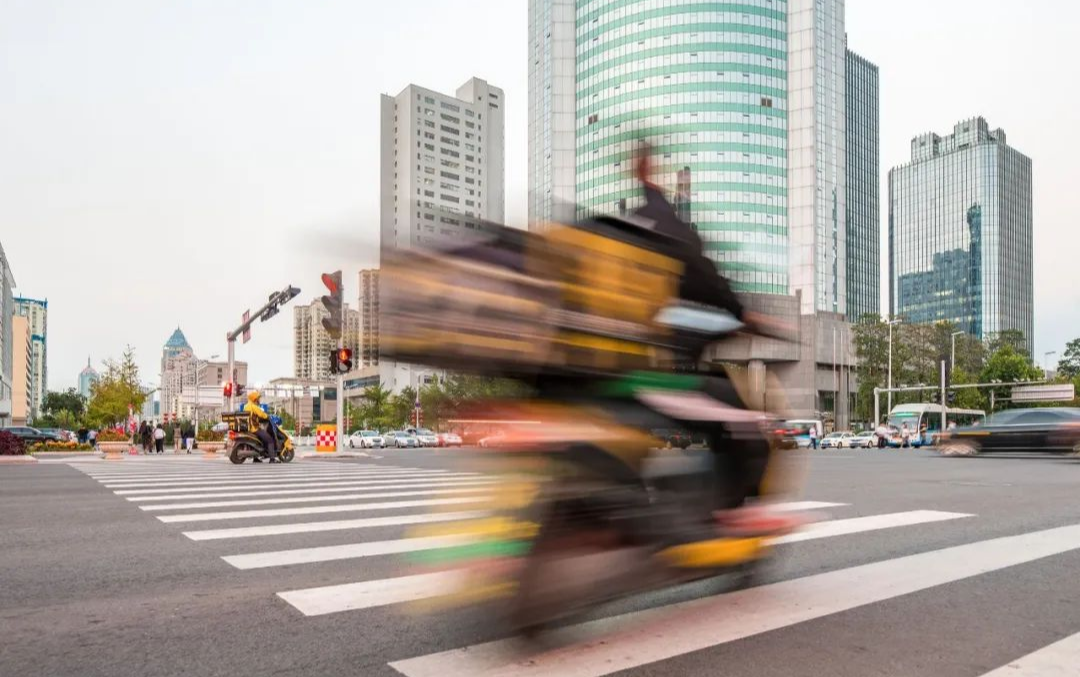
x: 87, y: 378
x: 863, y: 187
x: 552, y: 190
x: 960, y: 232
x: 177, y: 372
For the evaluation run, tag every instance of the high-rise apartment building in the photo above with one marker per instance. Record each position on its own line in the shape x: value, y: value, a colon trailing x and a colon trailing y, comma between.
x: 552, y: 139
x: 367, y: 354
x: 22, y: 354
x: 7, y: 311
x: 312, y: 344
x: 87, y: 378
x: 178, y: 365
x: 37, y: 314
x: 443, y: 164
x: 863, y: 242
x: 960, y: 232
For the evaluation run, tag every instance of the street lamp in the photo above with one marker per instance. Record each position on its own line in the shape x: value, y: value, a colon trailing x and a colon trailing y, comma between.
x: 1046, y: 361
x: 952, y: 361
x: 891, y: 323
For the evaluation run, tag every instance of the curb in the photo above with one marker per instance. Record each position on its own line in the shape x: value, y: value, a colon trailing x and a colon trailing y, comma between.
x: 17, y: 460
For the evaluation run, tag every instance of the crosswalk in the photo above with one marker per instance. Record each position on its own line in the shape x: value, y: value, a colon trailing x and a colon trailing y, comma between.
x: 233, y: 506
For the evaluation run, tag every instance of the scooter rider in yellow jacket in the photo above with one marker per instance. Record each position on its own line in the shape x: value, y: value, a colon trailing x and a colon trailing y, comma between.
x: 265, y: 431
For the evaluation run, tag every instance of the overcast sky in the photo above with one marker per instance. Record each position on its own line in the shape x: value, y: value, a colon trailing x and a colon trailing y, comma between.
x: 168, y: 163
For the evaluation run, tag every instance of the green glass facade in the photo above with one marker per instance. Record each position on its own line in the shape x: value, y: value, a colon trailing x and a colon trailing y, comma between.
x: 863, y: 169
x: 705, y: 83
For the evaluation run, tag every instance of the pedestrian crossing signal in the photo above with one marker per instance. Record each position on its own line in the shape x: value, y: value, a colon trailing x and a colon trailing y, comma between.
x: 227, y: 389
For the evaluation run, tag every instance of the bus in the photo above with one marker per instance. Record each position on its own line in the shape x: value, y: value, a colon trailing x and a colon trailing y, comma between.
x: 923, y: 422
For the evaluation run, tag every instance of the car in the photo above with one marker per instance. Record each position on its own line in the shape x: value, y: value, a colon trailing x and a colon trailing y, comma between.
x: 837, y: 440
x: 425, y: 437
x: 672, y: 439
x: 493, y: 440
x: 365, y: 439
x: 401, y: 439
x: 449, y: 440
x: 59, y: 433
x: 1049, y: 430
x: 863, y: 440
x: 32, y: 435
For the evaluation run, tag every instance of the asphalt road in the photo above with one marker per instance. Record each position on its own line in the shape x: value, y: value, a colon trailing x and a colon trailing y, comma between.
x: 925, y: 566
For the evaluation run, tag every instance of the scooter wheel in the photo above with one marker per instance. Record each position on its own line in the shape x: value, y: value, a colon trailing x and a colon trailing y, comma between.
x: 286, y: 456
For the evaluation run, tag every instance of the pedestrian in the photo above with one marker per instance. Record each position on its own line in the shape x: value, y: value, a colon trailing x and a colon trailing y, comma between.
x: 189, y: 437
x: 905, y: 435
x: 146, y: 437
x: 159, y: 439
x: 813, y: 436
x: 882, y: 434
x: 91, y: 437
x: 80, y: 435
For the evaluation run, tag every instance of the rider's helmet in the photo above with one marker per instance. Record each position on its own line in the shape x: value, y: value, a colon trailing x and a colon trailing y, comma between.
x: 253, y: 396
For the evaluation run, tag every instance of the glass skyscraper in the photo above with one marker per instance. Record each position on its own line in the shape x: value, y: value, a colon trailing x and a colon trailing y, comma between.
x: 960, y: 232
x: 863, y: 242
x: 705, y: 83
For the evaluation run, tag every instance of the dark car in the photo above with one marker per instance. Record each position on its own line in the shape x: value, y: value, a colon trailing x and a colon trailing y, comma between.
x: 673, y: 439
x: 1049, y: 430
x: 32, y: 435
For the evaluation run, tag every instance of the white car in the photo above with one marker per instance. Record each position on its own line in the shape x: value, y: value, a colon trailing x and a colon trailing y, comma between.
x: 426, y: 438
x: 837, y: 440
x: 864, y: 440
x: 366, y: 439
x: 400, y: 438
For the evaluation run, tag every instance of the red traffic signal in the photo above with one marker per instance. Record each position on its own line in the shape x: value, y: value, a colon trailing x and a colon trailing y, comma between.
x: 227, y: 389
x: 344, y: 357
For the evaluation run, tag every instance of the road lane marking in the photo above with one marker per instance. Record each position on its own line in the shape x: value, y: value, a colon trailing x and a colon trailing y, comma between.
x: 318, y: 510
x: 291, y: 485
x: 270, y: 471
x: 296, y: 478
x: 343, y: 488
x: 1060, y: 659
x: 261, y: 560
x: 646, y: 637
x: 857, y: 525
x: 463, y: 488
x: 368, y: 594
x: 801, y: 506
x: 334, y: 525
x: 350, y: 596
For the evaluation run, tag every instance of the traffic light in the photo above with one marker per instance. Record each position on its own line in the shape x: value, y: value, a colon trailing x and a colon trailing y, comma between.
x: 227, y: 389
x: 239, y: 389
x: 332, y: 303
x: 341, y: 361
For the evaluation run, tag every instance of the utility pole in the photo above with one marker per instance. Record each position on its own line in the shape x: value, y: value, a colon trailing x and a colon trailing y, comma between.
x: 335, y: 326
x: 263, y: 314
x: 952, y: 361
x: 891, y: 323
x: 943, y: 397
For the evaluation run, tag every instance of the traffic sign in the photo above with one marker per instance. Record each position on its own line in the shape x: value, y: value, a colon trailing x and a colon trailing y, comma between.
x: 247, y: 323
x: 1055, y: 392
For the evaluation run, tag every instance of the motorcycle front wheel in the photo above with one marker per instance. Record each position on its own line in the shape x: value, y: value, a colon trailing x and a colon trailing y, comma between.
x: 287, y: 455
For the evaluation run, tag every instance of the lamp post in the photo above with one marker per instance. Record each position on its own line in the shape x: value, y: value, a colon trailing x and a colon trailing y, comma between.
x: 952, y: 356
x: 890, y: 323
x: 1046, y: 361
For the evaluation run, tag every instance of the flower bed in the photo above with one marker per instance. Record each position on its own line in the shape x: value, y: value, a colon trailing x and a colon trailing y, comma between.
x: 58, y: 446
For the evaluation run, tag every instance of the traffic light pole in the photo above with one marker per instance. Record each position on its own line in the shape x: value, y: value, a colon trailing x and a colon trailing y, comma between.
x: 262, y: 314
x: 340, y: 420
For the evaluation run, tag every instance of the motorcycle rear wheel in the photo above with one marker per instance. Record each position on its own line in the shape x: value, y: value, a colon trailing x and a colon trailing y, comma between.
x: 234, y: 454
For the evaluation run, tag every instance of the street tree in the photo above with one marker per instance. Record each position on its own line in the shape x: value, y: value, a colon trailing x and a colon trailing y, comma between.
x: 1006, y: 365
x: 1013, y: 338
x: 62, y: 410
x: 116, y: 390
x: 400, y: 407
x: 1069, y: 365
